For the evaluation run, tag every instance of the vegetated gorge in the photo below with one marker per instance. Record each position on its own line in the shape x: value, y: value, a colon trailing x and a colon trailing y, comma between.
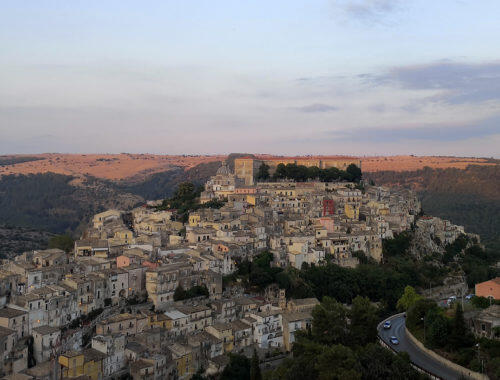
x: 468, y: 197
x: 48, y: 203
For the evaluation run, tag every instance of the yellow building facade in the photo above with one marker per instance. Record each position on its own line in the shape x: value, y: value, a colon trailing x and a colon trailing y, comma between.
x: 87, y: 363
x: 351, y: 211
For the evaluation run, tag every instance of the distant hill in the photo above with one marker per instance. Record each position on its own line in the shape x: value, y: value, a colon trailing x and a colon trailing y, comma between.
x: 138, y: 167
x: 113, y: 167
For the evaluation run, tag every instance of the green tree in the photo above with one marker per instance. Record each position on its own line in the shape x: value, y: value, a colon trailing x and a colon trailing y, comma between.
x: 313, y: 172
x: 460, y: 336
x: 494, y: 368
x: 238, y: 368
x: 330, y: 322
x: 254, y: 367
x: 416, y: 313
x: 398, y: 245
x: 280, y: 172
x: 354, y: 172
x: 199, y: 374
x: 437, y: 332
x: 305, y: 355
x: 263, y: 172
x: 379, y: 363
x: 64, y: 242
x: 196, y: 291
x: 338, y: 363
x: 408, y: 299
x: 179, y: 294
x: 480, y: 302
x: 213, y: 203
x: 363, y: 318
x: 185, y: 191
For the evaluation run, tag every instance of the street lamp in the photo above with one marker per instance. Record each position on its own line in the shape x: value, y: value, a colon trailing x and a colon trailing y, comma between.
x: 423, y: 319
x: 479, y: 357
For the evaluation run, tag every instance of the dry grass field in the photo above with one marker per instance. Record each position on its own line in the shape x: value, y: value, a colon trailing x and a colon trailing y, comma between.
x: 137, y: 166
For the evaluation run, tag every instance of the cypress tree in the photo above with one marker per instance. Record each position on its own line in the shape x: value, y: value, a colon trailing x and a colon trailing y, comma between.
x: 254, y: 368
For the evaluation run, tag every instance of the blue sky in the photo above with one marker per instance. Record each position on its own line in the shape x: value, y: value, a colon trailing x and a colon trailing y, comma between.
x: 285, y: 77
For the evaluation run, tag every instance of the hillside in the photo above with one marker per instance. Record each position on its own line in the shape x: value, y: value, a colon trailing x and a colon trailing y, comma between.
x: 105, y: 166
x: 19, y: 239
x: 54, y: 202
x: 412, y: 163
x: 468, y: 197
x: 137, y: 167
x: 58, y: 192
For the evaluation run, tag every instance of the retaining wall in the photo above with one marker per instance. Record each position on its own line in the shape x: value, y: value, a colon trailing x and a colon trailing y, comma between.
x: 468, y: 373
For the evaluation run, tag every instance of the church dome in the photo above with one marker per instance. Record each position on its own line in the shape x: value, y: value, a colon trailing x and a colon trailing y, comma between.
x: 223, y: 170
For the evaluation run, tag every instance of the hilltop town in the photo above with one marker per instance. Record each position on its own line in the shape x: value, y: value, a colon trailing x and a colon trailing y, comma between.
x: 159, y: 292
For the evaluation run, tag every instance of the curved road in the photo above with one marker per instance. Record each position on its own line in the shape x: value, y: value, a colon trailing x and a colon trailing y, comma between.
x: 417, y: 356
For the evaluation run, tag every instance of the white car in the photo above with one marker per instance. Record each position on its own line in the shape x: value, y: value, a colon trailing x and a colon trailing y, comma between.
x: 394, y: 340
x: 387, y: 325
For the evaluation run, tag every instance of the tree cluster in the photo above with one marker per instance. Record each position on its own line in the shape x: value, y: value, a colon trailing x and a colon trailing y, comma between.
x: 50, y: 202
x: 13, y: 160
x: 384, y: 283
x: 439, y: 330
x: 258, y: 273
x: 301, y: 173
x: 483, y: 302
x: 195, y: 291
x: 341, y: 345
x: 241, y: 368
x: 186, y: 199
x: 64, y: 242
x: 408, y: 299
x: 477, y: 262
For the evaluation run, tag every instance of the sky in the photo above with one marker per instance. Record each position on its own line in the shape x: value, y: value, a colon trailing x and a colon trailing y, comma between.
x: 357, y: 77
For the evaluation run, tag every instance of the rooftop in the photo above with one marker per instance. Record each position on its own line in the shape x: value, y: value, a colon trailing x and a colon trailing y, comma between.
x: 45, y: 330
x: 8, y: 312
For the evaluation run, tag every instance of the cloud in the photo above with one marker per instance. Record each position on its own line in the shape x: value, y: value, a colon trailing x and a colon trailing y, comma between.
x: 458, y: 83
x: 442, y: 132
x: 316, y: 108
x: 368, y: 11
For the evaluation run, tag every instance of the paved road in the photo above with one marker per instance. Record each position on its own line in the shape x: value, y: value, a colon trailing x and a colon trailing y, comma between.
x: 417, y: 356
